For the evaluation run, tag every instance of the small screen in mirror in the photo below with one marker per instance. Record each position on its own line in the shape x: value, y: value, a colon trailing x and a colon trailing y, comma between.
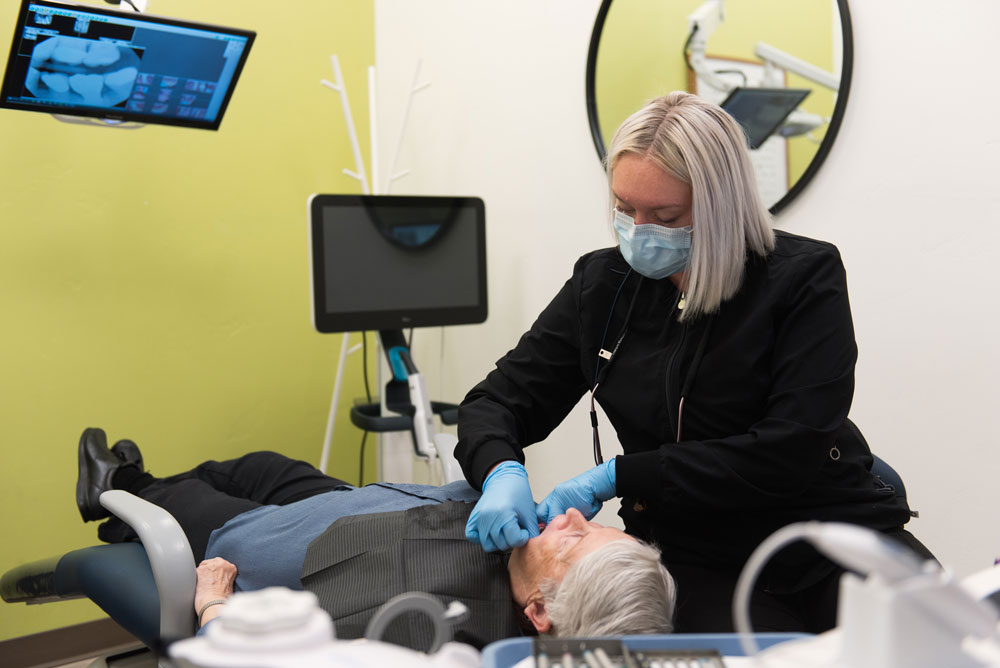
x: 762, y: 110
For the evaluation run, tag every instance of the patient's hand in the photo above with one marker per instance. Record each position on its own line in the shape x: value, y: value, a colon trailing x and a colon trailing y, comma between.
x: 215, y: 581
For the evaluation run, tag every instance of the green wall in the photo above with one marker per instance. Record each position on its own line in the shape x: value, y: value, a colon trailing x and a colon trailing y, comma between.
x: 154, y: 282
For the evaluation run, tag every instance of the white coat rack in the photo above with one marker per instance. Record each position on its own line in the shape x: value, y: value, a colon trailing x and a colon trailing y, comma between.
x: 368, y: 187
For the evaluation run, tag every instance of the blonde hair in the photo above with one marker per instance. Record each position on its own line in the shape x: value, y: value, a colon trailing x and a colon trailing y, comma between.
x: 621, y: 588
x: 700, y: 144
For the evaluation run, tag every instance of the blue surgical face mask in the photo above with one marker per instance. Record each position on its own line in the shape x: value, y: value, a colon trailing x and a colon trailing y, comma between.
x: 655, y: 251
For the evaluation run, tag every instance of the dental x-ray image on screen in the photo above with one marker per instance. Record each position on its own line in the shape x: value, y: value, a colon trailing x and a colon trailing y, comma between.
x: 81, y: 60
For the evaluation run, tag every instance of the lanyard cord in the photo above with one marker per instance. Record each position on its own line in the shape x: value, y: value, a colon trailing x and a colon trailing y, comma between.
x: 606, y: 355
x: 607, y: 325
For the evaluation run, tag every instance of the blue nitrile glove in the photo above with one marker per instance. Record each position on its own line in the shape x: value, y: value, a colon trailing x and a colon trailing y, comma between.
x: 586, y: 492
x: 504, y: 516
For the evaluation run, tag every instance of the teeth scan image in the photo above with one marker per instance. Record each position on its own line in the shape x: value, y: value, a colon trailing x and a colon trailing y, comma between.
x: 73, y: 69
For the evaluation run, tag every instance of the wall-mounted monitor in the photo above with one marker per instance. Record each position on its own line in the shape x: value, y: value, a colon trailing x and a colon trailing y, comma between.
x: 761, y: 110
x: 83, y: 60
x: 386, y: 262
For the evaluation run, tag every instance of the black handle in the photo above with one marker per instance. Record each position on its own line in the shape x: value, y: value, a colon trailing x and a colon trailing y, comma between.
x: 368, y: 417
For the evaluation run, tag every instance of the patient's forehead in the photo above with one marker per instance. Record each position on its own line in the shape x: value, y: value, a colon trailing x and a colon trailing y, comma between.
x: 568, y: 538
x: 592, y: 542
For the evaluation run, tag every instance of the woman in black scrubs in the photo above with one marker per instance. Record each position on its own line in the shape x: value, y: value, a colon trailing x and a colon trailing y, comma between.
x: 723, y: 354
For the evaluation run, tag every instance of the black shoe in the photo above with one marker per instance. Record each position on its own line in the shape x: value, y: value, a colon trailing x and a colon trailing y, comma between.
x: 128, y: 452
x: 97, y: 467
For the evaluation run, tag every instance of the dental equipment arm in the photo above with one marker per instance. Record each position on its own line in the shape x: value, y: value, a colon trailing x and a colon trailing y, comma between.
x: 776, y: 62
x: 775, y: 58
x: 707, y: 18
x: 703, y: 22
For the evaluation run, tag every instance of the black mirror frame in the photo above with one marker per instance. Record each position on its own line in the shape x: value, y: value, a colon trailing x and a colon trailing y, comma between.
x: 828, y: 139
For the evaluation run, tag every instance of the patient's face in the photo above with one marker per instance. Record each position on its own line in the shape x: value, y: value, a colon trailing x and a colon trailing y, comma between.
x: 567, y: 539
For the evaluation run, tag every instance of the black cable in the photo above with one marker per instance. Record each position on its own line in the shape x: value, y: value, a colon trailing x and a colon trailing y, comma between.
x: 127, y: 2
x: 607, y: 325
x: 361, y: 464
x: 368, y: 397
x: 743, y: 75
x: 598, y: 455
x: 687, y: 57
x: 687, y: 43
x: 364, y: 364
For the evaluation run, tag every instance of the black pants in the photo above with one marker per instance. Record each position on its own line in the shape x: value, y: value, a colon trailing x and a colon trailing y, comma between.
x: 705, y: 599
x: 208, y: 496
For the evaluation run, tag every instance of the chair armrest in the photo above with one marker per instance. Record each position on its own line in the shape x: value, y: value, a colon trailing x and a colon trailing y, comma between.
x: 169, y: 556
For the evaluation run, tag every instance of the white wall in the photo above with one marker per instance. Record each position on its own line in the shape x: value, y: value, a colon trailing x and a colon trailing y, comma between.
x: 909, y: 195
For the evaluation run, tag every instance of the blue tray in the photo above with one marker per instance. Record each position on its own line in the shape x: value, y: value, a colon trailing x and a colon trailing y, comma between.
x: 505, y: 653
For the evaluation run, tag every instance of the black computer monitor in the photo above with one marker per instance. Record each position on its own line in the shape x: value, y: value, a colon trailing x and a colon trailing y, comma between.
x: 387, y: 262
x: 82, y: 60
x: 761, y: 110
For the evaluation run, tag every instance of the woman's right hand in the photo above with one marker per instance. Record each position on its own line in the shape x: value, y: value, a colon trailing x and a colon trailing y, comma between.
x: 504, y: 517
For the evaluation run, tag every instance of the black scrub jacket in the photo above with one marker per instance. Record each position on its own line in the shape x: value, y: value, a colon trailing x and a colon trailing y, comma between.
x: 768, y: 382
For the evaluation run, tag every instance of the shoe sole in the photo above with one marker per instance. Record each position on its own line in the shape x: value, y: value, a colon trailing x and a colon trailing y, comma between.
x: 128, y: 452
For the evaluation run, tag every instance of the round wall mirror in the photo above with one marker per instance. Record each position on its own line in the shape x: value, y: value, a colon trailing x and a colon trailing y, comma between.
x: 781, y: 67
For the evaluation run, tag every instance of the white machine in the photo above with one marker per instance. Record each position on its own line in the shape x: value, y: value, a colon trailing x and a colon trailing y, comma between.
x: 904, y: 613
x: 281, y: 628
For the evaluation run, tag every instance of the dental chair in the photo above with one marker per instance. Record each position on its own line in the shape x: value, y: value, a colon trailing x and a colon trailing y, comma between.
x: 146, y: 587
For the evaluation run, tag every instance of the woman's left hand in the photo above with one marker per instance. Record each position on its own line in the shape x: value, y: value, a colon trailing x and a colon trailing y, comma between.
x: 586, y: 492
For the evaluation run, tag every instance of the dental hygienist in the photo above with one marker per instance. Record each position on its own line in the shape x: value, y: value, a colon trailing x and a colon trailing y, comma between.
x: 722, y: 353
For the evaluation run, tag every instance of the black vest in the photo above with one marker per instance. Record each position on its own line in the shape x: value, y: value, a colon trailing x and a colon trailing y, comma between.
x: 362, y: 561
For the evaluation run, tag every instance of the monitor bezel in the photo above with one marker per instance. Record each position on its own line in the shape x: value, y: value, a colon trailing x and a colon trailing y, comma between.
x: 124, y: 116
x: 328, y: 322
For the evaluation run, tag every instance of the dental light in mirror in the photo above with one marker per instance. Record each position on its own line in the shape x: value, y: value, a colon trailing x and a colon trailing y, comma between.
x: 906, y: 612
x: 765, y: 106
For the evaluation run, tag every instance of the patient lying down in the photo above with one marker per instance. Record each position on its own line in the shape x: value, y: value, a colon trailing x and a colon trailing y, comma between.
x: 265, y: 520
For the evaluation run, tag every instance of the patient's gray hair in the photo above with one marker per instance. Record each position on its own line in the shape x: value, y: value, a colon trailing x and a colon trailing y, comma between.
x: 619, y: 589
